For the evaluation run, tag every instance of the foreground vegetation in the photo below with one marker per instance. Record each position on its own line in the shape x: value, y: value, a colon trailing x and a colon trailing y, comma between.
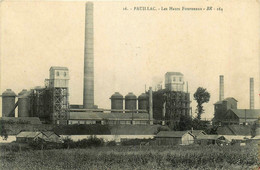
x: 134, y: 157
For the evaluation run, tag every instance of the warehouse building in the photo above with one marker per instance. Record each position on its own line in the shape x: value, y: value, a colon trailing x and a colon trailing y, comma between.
x: 197, y: 133
x: 171, y: 103
x: 241, y: 116
x: 29, y: 136
x: 210, y: 140
x: 221, y: 107
x: 108, y: 118
x: 174, y: 138
x: 226, y: 112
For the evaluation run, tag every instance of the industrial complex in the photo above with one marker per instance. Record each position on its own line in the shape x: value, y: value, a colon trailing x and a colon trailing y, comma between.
x: 49, y: 104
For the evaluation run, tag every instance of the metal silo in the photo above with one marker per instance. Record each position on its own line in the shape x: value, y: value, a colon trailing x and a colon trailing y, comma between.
x: 24, y: 105
x: 8, y: 103
x: 117, y: 102
x: 130, y: 101
x: 143, y: 102
x: 22, y: 92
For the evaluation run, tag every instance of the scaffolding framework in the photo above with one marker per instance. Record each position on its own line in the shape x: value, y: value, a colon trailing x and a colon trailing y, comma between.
x: 177, y: 104
x: 59, y: 105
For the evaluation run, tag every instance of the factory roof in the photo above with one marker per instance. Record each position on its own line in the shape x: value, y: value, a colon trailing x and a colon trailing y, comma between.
x: 49, y: 133
x: 130, y: 95
x: 208, y: 137
x: 172, y: 134
x: 46, y: 135
x: 236, y: 137
x: 226, y: 99
x: 198, y: 132
x: 246, y: 113
x: 21, y: 120
x: 109, y: 116
x: 117, y: 95
x: 234, y: 130
x: 143, y: 96
x: 174, y: 73
x: 28, y: 134
x: 58, y: 68
x: 8, y: 93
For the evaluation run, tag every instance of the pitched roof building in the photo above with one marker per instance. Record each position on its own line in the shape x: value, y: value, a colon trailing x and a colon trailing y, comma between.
x: 174, y: 138
x: 28, y: 136
x: 226, y: 112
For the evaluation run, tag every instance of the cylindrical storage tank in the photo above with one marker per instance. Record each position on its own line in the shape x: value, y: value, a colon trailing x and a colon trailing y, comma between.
x: 143, y: 102
x: 8, y: 103
x: 22, y: 92
x: 130, y: 101
x: 117, y: 102
x: 24, y: 105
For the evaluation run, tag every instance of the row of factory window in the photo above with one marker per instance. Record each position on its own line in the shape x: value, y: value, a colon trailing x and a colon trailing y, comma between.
x: 58, y: 73
x: 174, y: 79
x: 110, y: 122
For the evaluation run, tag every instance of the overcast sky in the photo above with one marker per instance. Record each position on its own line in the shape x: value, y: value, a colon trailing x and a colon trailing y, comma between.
x: 132, y: 48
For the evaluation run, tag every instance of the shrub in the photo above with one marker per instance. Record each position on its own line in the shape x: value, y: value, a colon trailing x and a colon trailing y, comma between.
x: 111, y: 143
x: 84, y: 143
x: 135, y: 142
x: 94, y: 141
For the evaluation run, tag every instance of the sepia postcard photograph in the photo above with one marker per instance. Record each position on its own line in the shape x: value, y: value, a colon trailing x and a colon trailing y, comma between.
x: 129, y: 84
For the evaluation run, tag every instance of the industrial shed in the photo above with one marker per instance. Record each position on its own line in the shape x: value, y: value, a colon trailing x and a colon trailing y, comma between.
x: 210, y: 139
x: 236, y: 139
x: 242, y: 116
x: 108, y: 118
x: 197, y: 133
x: 21, y: 120
x: 234, y: 130
x: 174, y: 138
x: 28, y: 136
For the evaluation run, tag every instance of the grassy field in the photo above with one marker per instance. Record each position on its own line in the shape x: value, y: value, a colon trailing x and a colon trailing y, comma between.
x: 123, y: 157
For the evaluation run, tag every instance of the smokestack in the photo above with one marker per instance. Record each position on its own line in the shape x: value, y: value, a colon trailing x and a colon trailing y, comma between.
x: 150, y: 105
x: 88, y: 86
x: 251, y: 93
x: 221, y: 87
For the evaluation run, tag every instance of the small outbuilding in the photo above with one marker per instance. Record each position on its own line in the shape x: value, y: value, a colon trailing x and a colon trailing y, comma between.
x: 210, y: 139
x: 197, y: 133
x: 174, y: 138
x: 27, y: 136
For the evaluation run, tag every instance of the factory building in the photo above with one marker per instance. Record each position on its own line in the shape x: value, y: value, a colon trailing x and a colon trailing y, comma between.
x: 58, y: 90
x: 108, y: 118
x: 118, y: 114
x: 226, y: 111
x: 174, y: 138
x: 221, y: 107
x: 241, y: 116
x: 168, y: 105
x: 171, y: 103
x: 49, y: 103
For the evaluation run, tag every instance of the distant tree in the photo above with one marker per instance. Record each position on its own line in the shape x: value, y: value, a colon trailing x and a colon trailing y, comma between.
x: 201, y: 96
